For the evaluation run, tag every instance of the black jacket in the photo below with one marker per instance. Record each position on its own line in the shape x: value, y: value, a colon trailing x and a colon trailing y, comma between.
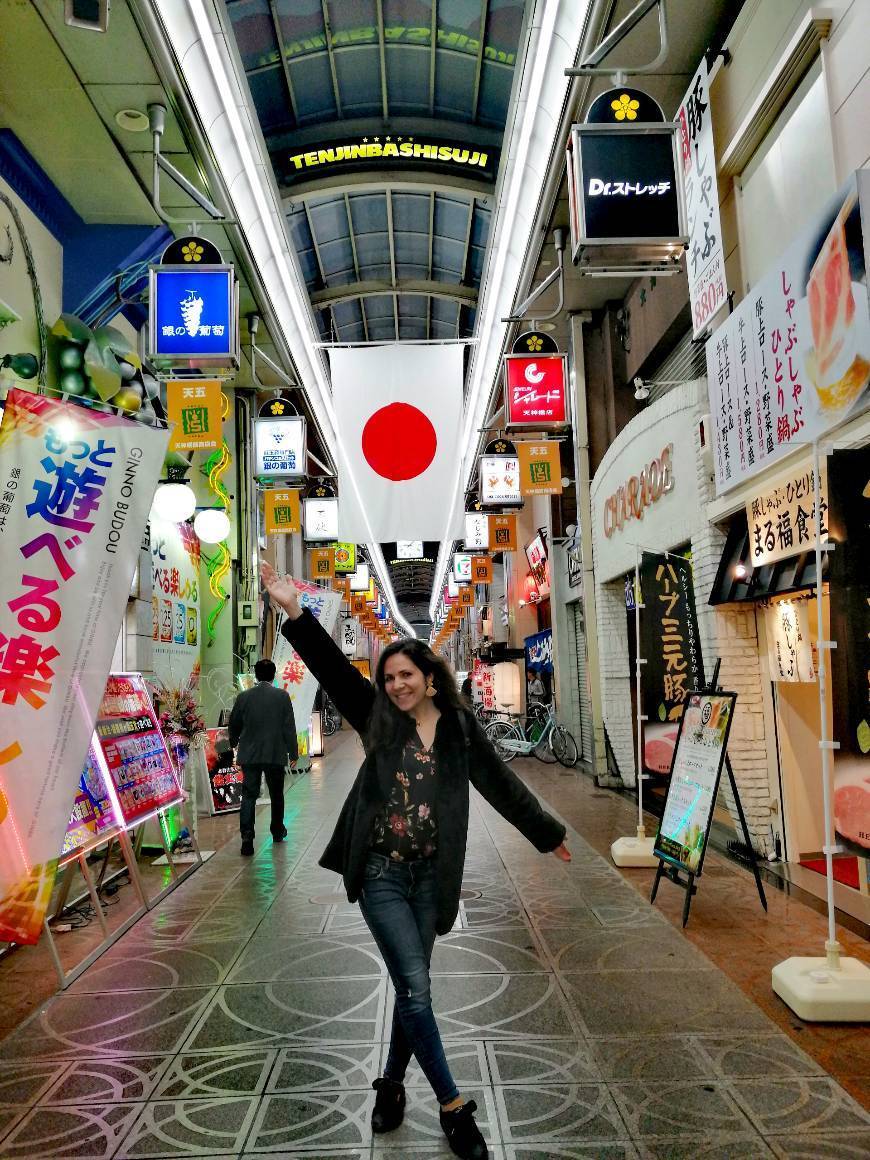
x: 464, y: 755
x: 263, y: 727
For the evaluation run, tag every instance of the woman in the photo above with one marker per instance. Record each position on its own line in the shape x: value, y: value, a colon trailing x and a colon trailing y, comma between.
x: 401, y: 835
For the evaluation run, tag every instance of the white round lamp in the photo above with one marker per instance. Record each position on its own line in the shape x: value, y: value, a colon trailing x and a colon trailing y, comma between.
x: 212, y: 525
x: 174, y: 502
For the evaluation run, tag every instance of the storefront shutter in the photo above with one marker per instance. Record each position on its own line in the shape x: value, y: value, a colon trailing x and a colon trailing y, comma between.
x: 577, y: 649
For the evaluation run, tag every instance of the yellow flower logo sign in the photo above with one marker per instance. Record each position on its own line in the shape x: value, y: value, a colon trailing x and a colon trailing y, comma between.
x: 624, y: 108
x: 192, y: 252
x: 535, y: 343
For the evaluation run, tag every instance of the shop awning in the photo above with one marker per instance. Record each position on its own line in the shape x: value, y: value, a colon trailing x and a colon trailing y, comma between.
x: 731, y: 586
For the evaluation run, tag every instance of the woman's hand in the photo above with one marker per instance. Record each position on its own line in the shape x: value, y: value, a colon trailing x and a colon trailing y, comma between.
x: 563, y: 853
x: 282, y: 591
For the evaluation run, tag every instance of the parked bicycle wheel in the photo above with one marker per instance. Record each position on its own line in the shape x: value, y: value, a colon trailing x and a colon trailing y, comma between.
x: 544, y: 749
x: 498, y: 731
x: 565, y: 747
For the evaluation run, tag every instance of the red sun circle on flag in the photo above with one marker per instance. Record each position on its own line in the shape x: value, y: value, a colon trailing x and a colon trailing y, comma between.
x: 399, y: 442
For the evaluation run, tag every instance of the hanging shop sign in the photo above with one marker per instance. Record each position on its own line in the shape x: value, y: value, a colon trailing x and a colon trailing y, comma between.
x: 292, y: 674
x: 77, y: 488
x: 536, y: 554
x: 363, y: 665
x: 451, y: 592
x: 95, y: 816
x: 322, y: 563
x: 849, y: 595
x: 348, y: 636
x: 358, y: 604
x: 345, y: 558
x: 476, y: 531
x: 280, y: 449
x: 194, y: 413
x: 462, y: 567
x: 789, y: 647
x: 466, y: 596
x: 191, y: 250
x: 193, y: 315
x: 175, y: 612
x: 705, y: 261
x: 624, y: 201
x: 536, y: 390
x: 360, y: 577
x: 503, y: 533
x: 372, y: 593
x: 782, y: 519
x: 793, y: 360
x: 225, y: 777
x: 539, y: 652
x: 624, y: 106
x: 481, y: 569
x: 428, y: 552
x: 540, y: 468
x: 282, y: 511
x: 320, y: 519
x: 670, y: 646
x: 695, y: 772
x: 137, y: 759
x: 409, y: 550
x: 500, y: 480
x: 639, y: 492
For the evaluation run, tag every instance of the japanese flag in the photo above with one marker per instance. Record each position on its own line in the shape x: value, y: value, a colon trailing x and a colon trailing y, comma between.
x: 398, y: 414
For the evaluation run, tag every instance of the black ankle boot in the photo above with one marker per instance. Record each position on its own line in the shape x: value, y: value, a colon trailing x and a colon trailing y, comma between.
x: 463, y: 1135
x: 389, y: 1110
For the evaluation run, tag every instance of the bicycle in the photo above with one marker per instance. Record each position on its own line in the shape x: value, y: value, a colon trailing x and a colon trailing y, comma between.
x: 332, y: 719
x: 549, y: 742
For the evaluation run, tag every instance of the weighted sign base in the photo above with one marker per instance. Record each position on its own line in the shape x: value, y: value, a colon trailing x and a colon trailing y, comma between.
x: 634, y: 852
x: 820, y: 994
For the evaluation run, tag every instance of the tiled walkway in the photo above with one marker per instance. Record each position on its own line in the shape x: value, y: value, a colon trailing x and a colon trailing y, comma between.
x: 247, y: 1015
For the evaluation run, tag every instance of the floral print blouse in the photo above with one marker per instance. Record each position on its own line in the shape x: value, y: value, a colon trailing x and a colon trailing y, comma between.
x: 408, y: 829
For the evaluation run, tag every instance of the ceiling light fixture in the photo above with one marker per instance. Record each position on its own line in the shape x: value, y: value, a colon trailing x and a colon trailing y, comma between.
x: 133, y: 120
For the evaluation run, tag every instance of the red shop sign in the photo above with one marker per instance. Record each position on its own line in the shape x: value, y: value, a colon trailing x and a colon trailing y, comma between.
x: 536, y: 393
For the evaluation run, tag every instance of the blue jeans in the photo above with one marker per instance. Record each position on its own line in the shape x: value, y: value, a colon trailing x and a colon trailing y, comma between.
x: 399, y: 904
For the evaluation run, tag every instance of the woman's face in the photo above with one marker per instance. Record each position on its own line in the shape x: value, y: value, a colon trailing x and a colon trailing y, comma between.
x: 404, y: 683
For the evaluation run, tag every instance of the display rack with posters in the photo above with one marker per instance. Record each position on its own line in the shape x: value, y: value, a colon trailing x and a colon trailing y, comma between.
x: 696, y: 770
x: 225, y: 776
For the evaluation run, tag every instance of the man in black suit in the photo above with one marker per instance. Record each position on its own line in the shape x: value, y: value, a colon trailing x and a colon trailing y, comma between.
x: 263, y: 727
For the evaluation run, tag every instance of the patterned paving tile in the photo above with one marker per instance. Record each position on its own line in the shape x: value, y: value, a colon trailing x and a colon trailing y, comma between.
x: 652, y: 1004
x: 127, y: 968
x: 799, y: 1105
x: 303, y: 956
x: 312, y: 1120
x: 674, y: 1109
x: 24, y: 1083
x: 216, y: 1074
x: 500, y: 1007
x: 620, y: 1150
x: 703, y: 1148
x: 565, y: 1112
x: 848, y: 1146
x: 494, y: 913
x: 107, y: 1081
x: 122, y: 1024
x: 467, y: 1062
x: 333, y: 1067
x: 93, y: 1132
x: 257, y: 1014
x: 9, y: 1116
x: 542, y: 1062
x: 771, y: 1056
x: 647, y: 947
x: 659, y: 1057
x: 511, y: 950
x: 190, y: 1127
x: 422, y: 1127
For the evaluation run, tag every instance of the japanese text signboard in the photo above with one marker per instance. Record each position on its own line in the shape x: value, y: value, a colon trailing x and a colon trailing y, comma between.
x: 77, y: 488
x: 292, y: 674
x: 481, y: 569
x: 225, y: 778
x: 193, y: 314
x: 500, y: 480
x: 280, y: 447
x: 134, y: 749
x: 503, y: 533
x: 282, y: 511
x: 697, y: 766
x: 671, y: 649
x: 476, y: 530
x: 348, y: 636
x: 194, y: 412
x: 95, y: 815
x: 705, y: 263
x: 322, y: 562
x: 175, y: 620
x: 789, y: 647
x: 540, y: 469
x: 782, y: 520
x: 536, y: 393
x: 793, y: 360
x: 345, y: 557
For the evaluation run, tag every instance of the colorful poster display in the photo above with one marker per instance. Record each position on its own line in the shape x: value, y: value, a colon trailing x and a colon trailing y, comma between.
x: 695, y: 772
x: 77, y: 488
x: 670, y: 646
x: 705, y: 260
x: 135, y: 752
x: 292, y: 674
x: 793, y: 360
x: 224, y: 776
x: 95, y: 816
x: 175, y: 617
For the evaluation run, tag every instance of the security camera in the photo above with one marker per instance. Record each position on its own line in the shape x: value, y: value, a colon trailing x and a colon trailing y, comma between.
x: 641, y: 390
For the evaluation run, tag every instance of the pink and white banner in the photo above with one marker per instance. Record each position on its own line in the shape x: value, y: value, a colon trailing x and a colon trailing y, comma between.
x: 76, y: 488
x: 292, y: 674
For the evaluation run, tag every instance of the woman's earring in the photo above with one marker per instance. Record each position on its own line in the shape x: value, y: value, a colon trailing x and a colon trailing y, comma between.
x: 431, y: 691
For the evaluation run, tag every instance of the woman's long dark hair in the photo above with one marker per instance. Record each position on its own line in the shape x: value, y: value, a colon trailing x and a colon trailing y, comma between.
x: 389, y: 725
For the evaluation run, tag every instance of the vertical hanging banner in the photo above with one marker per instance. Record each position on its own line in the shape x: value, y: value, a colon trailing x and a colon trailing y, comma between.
x: 540, y: 469
x: 349, y: 631
x: 175, y: 622
x: 78, y: 486
x: 503, y: 533
x: 705, y: 261
x: 849, y: 478
x: 399, y: 421
x: 789, y: 648
x: 671, y: 648
x: 292, y: 674
x: 194, y: 413
x: 322, y: 563
x: 282, y: 511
